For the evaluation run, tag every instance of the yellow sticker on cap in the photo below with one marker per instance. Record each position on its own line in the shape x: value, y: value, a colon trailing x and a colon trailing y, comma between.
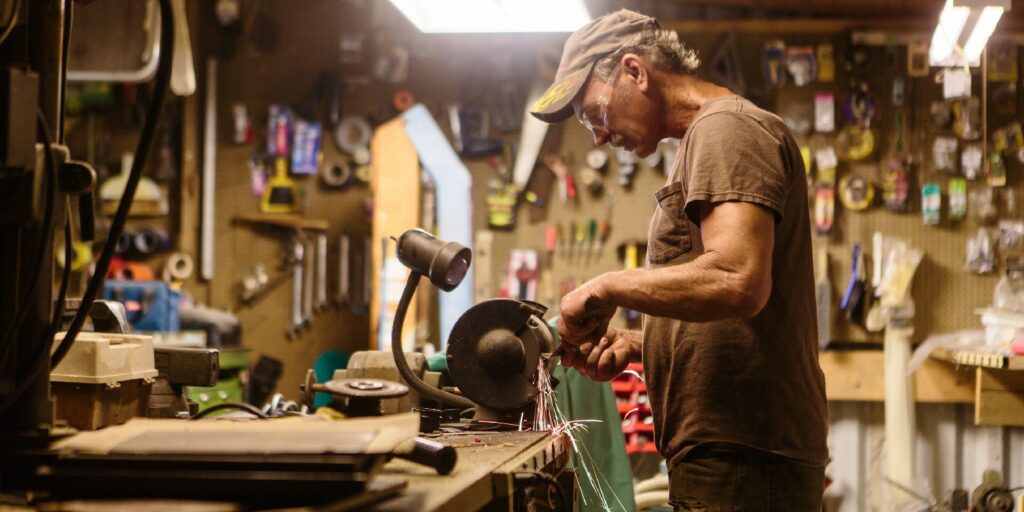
x: 555, y: 94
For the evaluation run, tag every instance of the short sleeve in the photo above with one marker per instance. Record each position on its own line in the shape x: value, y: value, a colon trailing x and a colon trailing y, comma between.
x: 732, y: 157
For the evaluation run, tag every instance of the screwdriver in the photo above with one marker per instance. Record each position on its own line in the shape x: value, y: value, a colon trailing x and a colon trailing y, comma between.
x: 550, y: 243
x: 591, y: 238
x: 581, y: 236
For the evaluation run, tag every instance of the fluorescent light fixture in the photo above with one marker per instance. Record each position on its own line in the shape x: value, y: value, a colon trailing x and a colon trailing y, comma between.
x: 963, y: 31
x: 494, y: 16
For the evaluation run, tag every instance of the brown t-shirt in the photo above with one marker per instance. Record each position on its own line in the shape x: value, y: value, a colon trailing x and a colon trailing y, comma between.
x: 749, y: 383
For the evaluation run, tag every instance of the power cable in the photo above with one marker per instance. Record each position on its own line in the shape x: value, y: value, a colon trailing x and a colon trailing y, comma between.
x: 236, y: 406
x: 11, y: 21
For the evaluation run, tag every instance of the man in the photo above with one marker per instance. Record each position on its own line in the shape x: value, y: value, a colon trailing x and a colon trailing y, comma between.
x: 728, y: 341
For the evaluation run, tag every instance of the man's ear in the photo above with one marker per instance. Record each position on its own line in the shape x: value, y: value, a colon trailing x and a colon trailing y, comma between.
x: 636, y: 67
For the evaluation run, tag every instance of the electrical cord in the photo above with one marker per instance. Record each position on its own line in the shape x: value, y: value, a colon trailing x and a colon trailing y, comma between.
x: 563, y: 501
x: 163, y: 75
x: 233, y: 406
x: 423, y: 388
x: 9, y: 26
x: 65, y: 276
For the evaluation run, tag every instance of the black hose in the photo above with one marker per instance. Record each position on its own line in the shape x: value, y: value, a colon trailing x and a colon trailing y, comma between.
x: 424, y: 389
x: 163, y: 75
x: 65, y: 276
x: 233, y: 406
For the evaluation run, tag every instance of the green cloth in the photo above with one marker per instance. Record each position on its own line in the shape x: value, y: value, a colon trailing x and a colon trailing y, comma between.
x: 580, y: 398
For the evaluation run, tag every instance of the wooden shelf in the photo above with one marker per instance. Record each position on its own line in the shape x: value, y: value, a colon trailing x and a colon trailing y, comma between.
x: 859, y: 375
x: 980, y: 358
x: 283, y: 220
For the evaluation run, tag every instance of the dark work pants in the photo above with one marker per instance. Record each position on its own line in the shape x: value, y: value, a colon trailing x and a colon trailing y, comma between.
x: 719, y: 480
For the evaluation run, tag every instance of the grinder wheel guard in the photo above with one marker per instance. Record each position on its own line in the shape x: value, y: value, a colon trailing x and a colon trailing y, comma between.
x: 494, y: 349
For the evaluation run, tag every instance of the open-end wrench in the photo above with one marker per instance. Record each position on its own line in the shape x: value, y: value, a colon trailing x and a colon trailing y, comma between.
x: 307, y: 285
x: 342, y: 298
x: 321, y: 271
x: 298, y: 252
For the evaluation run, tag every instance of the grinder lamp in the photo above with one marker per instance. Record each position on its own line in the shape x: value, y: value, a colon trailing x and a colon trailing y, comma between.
x: 963, y: 31
x: 444, y: 263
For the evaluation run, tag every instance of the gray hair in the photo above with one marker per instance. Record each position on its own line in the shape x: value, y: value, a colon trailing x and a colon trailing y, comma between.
x: 662, y: 48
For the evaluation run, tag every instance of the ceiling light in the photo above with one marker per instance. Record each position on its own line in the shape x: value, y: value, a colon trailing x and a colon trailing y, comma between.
x: 963, y: 31
x: 493, y: 16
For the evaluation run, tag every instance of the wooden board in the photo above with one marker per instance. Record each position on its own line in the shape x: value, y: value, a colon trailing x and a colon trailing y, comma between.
x: 999, y: 397
x: 396, y: 208
x: 858, y: 375
x: 483, y: 458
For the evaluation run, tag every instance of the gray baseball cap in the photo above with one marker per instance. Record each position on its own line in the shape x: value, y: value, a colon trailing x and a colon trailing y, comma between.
x: 596, y: 40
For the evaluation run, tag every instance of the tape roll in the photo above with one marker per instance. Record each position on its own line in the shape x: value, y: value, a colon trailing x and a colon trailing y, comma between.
x: 597, y: 159
x: 361, y: 156
x: 81, y: 255
x: 338, y: 175
x: 352, y: 133
x: 856, y: 192
x: 148, y: 241
x: 364, y: 173
x: 124, y: 244
x: 179, y: 267
x: 403, y: 99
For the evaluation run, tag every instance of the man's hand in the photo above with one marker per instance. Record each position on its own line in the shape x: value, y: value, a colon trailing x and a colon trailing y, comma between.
x: 605, y: 359
x: 585, y: 316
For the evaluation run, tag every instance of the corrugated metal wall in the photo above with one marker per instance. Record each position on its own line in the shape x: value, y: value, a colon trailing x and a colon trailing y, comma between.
x: 950, y: 453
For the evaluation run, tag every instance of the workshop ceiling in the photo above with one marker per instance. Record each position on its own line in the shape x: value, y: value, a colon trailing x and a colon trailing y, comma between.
x: 888, y: 10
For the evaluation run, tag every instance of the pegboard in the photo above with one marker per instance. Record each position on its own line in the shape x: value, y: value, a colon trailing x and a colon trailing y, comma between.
x: 946, y: 294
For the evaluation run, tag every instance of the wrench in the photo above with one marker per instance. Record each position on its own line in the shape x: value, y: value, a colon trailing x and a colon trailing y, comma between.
x: 342, y: 297
x: 321, y: 271
x: 298, y: 252
x: 307, y: 285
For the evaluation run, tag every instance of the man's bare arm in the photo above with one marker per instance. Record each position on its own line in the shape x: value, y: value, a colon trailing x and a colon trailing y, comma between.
x: 731, y: 279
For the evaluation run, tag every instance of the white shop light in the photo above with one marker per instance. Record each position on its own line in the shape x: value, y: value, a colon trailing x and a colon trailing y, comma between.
x: 963, y: 31
x: 494, y: 16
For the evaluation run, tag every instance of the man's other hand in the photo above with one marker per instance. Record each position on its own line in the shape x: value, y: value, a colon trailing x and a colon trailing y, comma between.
x: 605, y: 359
x: 585, y: 316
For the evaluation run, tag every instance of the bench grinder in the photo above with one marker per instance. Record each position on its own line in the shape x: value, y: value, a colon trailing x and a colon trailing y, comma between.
x: 494, y: 348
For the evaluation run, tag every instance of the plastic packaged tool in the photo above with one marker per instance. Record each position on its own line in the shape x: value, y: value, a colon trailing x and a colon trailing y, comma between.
x: 306, y: 145
x: 773, y: 63
x: 279, y: 126
x: 931, y: 203
x: 957, y: 199
x: 981, y: 252
x: 982, y: 205
x: 1009, y: 291
x: 826, y: 63
x: 824, y: 112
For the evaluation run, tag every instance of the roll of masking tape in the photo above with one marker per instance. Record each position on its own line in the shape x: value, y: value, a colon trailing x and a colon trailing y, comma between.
x: 179, y: 267
x: 338, y: 175
x: 81, y: 255
x: 352, y: 133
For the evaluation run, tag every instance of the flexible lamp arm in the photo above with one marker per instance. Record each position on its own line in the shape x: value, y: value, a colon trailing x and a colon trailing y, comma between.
x: 423, y: 388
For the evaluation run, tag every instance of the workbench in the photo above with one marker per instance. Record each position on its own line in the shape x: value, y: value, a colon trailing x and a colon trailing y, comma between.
x: 485, y: 472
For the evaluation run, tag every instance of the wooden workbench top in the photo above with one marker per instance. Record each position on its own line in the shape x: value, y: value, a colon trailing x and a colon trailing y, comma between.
x: 487, y: 463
